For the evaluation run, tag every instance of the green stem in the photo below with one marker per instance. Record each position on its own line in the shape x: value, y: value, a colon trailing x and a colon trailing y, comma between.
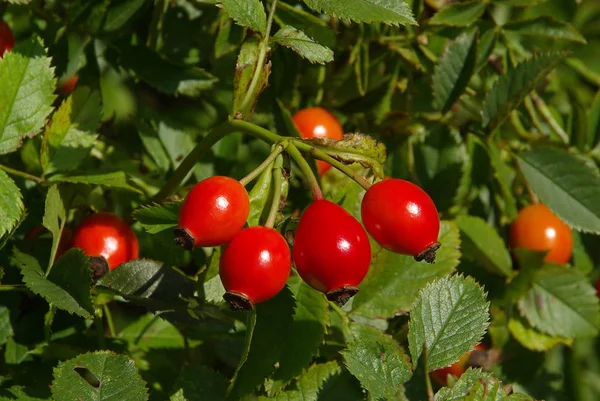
x: 428, y: 379
x: 266, y: 163
x: 547, y: 115
x: 192, y: 158
x: 276, y: 193
x: 256, y: 131
x: 534, y: 117
x: 321, y: 81
x: 109, y: 320
x: 321, y: 155
x: 306, y: 170
x: 21, y: 174
x: 264, y: 47
x: 13, y: 287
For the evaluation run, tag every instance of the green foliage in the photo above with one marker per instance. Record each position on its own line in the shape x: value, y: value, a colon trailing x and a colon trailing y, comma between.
x: 13, y: 204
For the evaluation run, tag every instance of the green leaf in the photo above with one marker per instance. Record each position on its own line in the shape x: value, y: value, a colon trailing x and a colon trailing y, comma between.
x: 512, y: 87
x: 260, y: 196
x: 27, y: 85
x: 392, y: 12
x: 12, y: 204
x: 447, y: 320
x: 116, y: 179
x: 545, y: 27
x: 311, y: 383
x: 562, y: 302
x: 121, y: 13
x: 199, y: 383
x: 312, y: 25
x: 153, y: 145
x: 566, y: 184
x: 165, y: 76
x: 299, y: 42
x: 481, y: 242
x: 593, y: 123
x: 6, y: 329
x: 158, y: 217
x: 71, y: 133
x: 378, y: 362
x: 459, y: 14
x: 531, y: 338
x: 454, y: 70
x: 394, y: 280
x: 308, y: 330
x: 55, y: 217
x: 67, y: 286
x: 249, y: 13
x: 474, y: 385
x: 266, y: 332
x: 151, y: 332
x: 519, y: 3
x: 245, y: 66
x: 98, y: 376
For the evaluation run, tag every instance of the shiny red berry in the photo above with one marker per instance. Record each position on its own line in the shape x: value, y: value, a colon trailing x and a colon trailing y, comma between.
x: 332, y: 252
x: 402, y: 218
x: 107, y: 239
x: 213, y: 212
x: 7, y: 39
x: 254, y: 266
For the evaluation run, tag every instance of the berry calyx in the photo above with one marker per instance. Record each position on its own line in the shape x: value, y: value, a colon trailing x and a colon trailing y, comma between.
x: 213, y: 212
x: 7, y: 39
x: 107, y: 239
x: 537, y: 228
x: 316, y: 122
x: 459, y: 367
x: 254, y: 267
x: 332, y: 252
x: 402, y: 218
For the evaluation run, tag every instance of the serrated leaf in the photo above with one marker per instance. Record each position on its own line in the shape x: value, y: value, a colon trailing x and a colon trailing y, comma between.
x: 474, y: 385
x: 310, y: 383
x: 153, y: 145
x: 299, y: 42
x: 67, y: 286
x: 199, y: 383
x: 392, y: 12
x: 165, y: 76
x: 459, y: 14
x: 378, y: 362
x: 158, y: 217
x: 566, y: 184
x: 55, y: 216
x: 481, y: 242
x: 6, y: 329
x: 27, y: 85
x: 531, y: 338
x: 529, y: 263
x: 546, y: 27
x: 249, y: 13
x: 355, y: 148
x: 394, y: 280
x: 245, y: 66
x: 116, y: 179
x: 312, y: 25
x: 71, y: 133
x: 12, y: 204
x: 308, y: 330
x: 512, y: 87
x: 98, y: 376
x: 270, y: 325
x: 447, y: 320
x: 454, y: 70
x: 562, y: 302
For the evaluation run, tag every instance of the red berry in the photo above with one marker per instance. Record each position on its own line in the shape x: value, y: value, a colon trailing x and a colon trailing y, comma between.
x: 213, y: 212
x: 537, y: 228
x: 254, y: 266
x: 107, y: 236
x: 457, y: 368
x: 67, y: 84
x: 316, y: 122
x: 7, y: 39
x: 402, y: 218
x: 332, y: 252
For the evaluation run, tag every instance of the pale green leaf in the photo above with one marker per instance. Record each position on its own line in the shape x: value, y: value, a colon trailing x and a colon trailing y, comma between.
x: 27, y: 86
x: 533, y: 339
x: 447, y: 320
x: 393, y: 12
x: 299, y: 42
x: 459, y: 13
x: 12, y: 205
x: 545, y: 27
x: 249, y: 13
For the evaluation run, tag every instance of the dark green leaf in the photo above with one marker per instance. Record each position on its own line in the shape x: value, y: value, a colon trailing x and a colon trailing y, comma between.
x: 249, y: 13
x: 454, y: 70
x: 199, y: 383
x: 121, y: 13
x: 566, y: 184
x: 512, y: 87
x: 545, y: 27
x: 312, y: 382
x: 12, y: 204
x: 459, y: 14
x: 393, y: 12
x: 153, y: 145
x: 117, y: 179
x: 448, y: 319
x: 158, y: 217
x: 299, y: 42
x: 6, y: 329
x: 312, y: 25
x: 98, y: 376
x: 55, y: 216
x: 593, y: 133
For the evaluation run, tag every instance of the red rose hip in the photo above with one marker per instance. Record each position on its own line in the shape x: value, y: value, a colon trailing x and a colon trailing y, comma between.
x: 254, y: 267
x: 332, y: 252
x: 213, y: 212
x: 7, y: 39
x: 402, y: 218
x: 107, y: 239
